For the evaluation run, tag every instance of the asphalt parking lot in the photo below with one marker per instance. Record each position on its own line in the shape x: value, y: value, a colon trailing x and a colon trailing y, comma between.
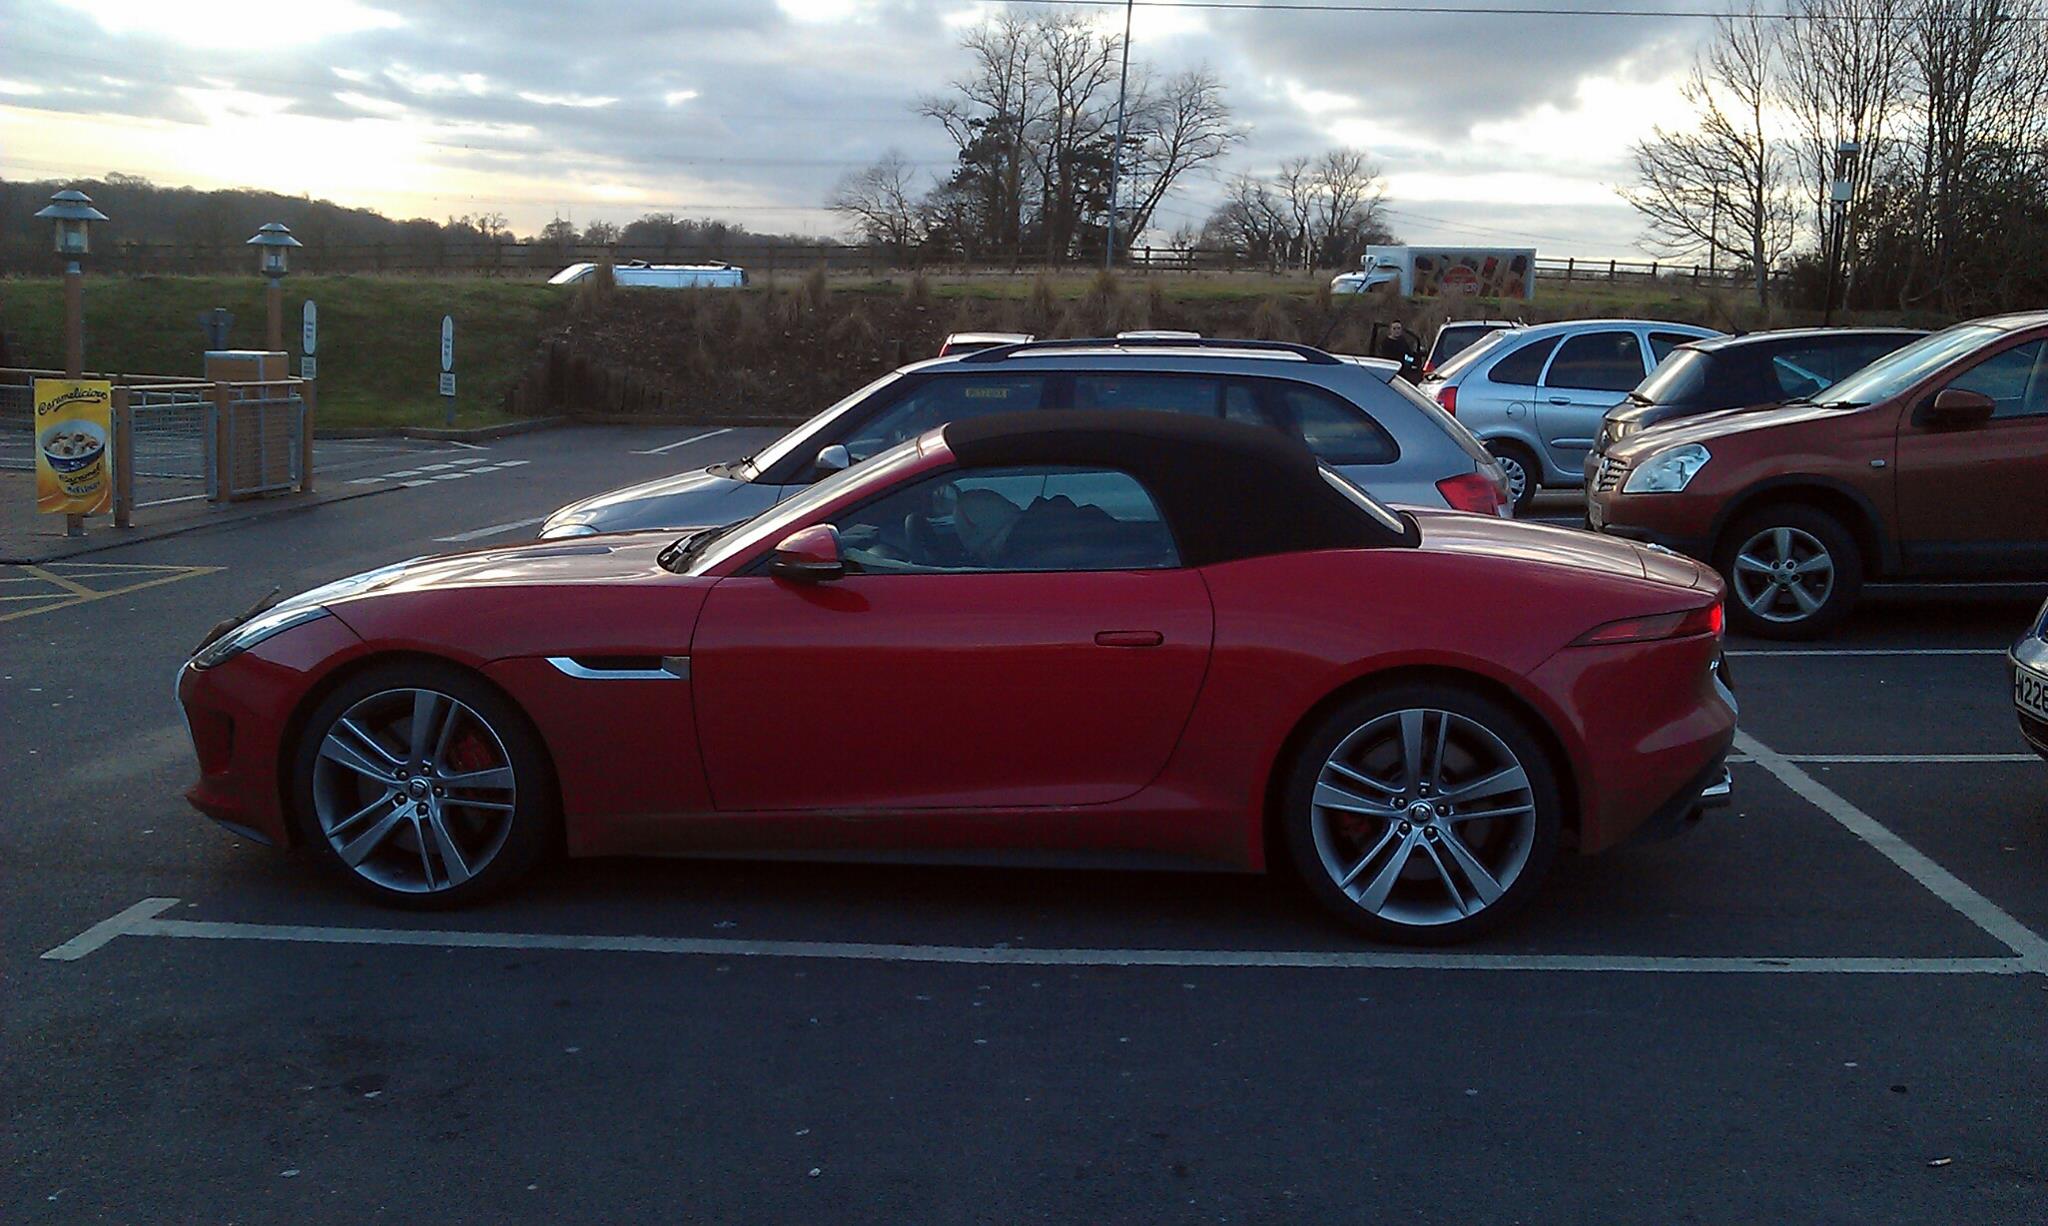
x: 1825, y: 1004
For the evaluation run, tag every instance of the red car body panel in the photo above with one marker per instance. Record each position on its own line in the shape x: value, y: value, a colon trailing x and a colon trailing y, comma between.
x: 950, y: 713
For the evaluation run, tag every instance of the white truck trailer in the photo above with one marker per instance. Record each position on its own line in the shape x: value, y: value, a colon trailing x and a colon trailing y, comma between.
x: 1443, y: 272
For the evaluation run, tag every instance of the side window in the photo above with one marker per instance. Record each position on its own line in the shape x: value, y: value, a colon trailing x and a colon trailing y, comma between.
x: 1523, y: 365
x: 1599, y: 362
x: 1336, y: 430
x: 1662, y: 343
x: 1010, y: 519
x: 1807, y: 370
x: 2014, y: 380
x: 944, y: 399
x: 1159, y: 393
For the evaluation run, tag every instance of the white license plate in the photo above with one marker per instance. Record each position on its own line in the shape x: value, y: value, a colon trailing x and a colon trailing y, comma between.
x: 2030, y: 692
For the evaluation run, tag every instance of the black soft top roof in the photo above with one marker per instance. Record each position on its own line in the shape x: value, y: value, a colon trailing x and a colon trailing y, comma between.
x: 1227, y: 490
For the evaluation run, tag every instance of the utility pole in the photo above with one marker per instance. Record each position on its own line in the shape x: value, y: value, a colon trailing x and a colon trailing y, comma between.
x: 1714, y: 235
x: 1116, y: 149
x: 1839, y: 193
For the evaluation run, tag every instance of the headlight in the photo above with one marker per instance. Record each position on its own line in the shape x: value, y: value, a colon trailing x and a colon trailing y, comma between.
x: 2041, y: 623
x: 254, y: 631
x: 1619, y: 430
x: 567, y: 528
x: 1668, y: 471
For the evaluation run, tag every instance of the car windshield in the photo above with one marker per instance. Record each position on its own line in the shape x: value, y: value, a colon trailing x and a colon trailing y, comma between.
x: 1678, y: 379
x: 1902, y: 368
x: 774, y: 522
x: 776, y: 451
x: 1473, y: 352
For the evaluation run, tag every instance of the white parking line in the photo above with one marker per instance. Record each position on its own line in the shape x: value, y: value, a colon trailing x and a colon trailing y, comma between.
x: 479, y: 533
x: 1872, y: 651
x: 1979, y: 910
x: 141, y: 920
x: 695, y: 438
x: 1909, y: 759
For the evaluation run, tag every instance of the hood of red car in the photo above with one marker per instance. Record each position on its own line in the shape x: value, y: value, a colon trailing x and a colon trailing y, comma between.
x: 1710, y: 426
x: 609, y: 559
x: 1454, y: 533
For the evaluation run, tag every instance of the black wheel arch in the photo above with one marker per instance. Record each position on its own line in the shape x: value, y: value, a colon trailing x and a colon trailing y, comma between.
x: 1277, y: 859
x: 1854, y: 509
x: 295, y: 723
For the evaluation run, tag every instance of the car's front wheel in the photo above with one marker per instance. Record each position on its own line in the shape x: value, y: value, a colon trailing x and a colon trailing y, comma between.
x: 1792, y: 571
x: 423, y: 786
x: 1425, y: 814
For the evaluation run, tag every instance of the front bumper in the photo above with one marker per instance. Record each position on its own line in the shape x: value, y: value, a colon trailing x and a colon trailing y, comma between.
x: 2032, y: 653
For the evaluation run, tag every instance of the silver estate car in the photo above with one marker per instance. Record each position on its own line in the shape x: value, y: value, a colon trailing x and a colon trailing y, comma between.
x: 1350, y: 411
x: 1536, y: 396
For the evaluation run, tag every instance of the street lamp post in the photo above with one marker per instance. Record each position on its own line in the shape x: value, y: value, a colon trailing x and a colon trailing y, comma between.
x: 1116, y: 149
x: 1839, y: 193
x: 273, y: 241
x: 72, y: 213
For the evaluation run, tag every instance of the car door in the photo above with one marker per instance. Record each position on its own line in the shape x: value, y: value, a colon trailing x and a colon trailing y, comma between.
x: 1004, y: 638
x: 1589, y: 374
x: 1973, y: 500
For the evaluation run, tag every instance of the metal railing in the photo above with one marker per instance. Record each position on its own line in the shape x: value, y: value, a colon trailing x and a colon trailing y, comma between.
x: 180, y: 439
x: 171, y: 445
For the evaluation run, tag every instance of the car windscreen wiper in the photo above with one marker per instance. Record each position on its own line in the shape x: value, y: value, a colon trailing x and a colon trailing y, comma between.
x: 676, y: 557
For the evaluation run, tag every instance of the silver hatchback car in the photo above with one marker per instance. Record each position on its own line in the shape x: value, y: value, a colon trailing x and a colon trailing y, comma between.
x: 1536, y: 396
x: 1350, y: 411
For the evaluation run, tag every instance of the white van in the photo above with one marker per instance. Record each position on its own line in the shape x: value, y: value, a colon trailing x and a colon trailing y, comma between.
x: 667, y: 276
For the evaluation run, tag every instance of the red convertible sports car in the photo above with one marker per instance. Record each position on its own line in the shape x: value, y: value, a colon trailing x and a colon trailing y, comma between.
x: 1124, y: 637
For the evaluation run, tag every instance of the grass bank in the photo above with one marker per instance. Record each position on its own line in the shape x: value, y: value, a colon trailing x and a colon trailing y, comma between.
x: 379, y: 343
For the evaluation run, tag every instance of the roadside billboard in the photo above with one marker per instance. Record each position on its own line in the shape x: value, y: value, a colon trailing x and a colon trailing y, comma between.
x: 74, y: 423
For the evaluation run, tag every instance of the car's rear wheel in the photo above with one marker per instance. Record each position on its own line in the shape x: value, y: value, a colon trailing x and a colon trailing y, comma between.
x: 1425, y: 814
x: 423, y: 786
x: 1793, y: 572
x: 1520, y: 468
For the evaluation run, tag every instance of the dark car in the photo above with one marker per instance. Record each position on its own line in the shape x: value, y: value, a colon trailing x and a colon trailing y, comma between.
x: 1732, y: 372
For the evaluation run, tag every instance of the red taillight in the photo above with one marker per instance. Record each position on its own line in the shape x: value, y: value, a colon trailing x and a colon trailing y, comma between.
x: 1447, y: 396
x: 1707, y: 619
x: 1473, y: 492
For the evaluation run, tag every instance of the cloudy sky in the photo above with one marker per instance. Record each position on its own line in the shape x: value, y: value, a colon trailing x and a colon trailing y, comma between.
x: 1491, y: 128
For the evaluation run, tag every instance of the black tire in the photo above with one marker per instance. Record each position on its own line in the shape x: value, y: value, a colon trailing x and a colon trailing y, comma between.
x: 1309, y: 829
x: 1513, y: 456
x: 1781, y: 616
x: 531, y: 832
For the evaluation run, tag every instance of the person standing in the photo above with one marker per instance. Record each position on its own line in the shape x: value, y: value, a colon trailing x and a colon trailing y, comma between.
x: 1398, y: 346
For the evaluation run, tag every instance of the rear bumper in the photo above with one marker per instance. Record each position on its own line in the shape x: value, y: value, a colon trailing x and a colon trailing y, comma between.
x: 1713, y: 788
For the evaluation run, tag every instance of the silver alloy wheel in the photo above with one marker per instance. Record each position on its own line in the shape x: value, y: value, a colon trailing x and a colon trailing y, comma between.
x: 1518, y: 476
x: 1423, y: 817
x: 1783, y: 575
x: 414, y: 790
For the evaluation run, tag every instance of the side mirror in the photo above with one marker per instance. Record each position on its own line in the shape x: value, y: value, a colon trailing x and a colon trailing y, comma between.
x: 808, y: 555
x: 1955, y: 407
x: 832, y: 459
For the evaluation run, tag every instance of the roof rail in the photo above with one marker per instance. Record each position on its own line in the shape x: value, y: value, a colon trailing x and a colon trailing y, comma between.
x: 1308, y: 353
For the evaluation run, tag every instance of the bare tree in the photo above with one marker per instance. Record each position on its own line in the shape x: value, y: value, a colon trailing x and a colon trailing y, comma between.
x: 881, y: 201
x: 1313, y: 213
x: 1251, y: 221
x: 1844, y: 78
x: 1184, y: 125
x: 1350, y: 189
x: 987, y: 117
x: 1724, y: 184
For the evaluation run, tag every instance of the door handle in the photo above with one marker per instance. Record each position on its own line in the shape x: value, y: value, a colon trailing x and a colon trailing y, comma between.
x: 1128, y: 638
x: 1560, y: 400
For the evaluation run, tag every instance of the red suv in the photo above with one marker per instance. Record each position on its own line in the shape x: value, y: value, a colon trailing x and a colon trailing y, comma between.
x: 1930, y: 464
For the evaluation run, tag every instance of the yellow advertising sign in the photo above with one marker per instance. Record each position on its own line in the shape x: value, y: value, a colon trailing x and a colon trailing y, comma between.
x: 74, y: 433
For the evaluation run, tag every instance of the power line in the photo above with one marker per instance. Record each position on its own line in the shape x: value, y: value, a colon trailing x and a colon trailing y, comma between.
x: 1473, y: 10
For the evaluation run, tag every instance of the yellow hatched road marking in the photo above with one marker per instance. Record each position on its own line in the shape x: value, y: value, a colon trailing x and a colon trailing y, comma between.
x: 70, y: 592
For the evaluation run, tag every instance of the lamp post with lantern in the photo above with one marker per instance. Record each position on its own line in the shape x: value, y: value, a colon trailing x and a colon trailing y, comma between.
x: 72, y: 212
x: 273, y: 242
